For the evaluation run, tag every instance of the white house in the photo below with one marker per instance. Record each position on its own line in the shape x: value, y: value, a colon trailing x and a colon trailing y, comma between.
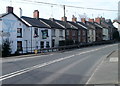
x: 12, y: 28
x: 38, y: 34
x: 43, y: 33
x: 116, y: 24
x: 57, y: 31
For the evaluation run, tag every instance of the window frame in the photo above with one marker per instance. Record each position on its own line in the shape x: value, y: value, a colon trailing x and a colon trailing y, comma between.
x: 20, y: 32
x: 19, y: 48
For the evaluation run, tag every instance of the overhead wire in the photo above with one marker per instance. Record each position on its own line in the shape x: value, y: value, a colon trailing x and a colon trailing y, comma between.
x: 69, y: 6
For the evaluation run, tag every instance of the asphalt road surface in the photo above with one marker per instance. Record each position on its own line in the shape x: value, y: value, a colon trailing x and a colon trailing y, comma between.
x: 70, y: 67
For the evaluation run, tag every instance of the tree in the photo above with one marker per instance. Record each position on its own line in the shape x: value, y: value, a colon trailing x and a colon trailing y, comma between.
x: 116, y: 35
x: 6, y: 50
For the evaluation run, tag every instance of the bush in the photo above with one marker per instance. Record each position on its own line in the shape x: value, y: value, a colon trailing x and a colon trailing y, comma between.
x: 6, y: 50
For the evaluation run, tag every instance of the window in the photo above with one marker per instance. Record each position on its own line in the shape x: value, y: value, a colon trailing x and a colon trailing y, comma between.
x: 44, y: 34
x: 53, y: 42
x: 83, y: 33
x: 79, y: 39
x: 35, y: 32
x: 67, y: 32
x: 47, y: 45
x: 61, y: 33
x: 19, y: 32
x: 73, y: 33
x: 42, y: 44
x: 19, y: 45
x: 53, y: 32
x: 79, y: 32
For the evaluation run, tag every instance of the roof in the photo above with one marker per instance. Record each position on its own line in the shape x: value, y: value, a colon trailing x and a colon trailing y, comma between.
x: 5, y: 14
x: 52, y: 24
x: 98, y: 25
x: 90, y: 24
x: 109, y: 22
x: 83, y: 25
x: 116, y: 21
x: 65, y: 24
x: 35, y: 22
x: 76, y: 25
x: 104, y: 24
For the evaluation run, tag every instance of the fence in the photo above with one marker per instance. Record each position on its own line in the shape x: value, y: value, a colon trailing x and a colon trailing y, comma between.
x: 62, y: 48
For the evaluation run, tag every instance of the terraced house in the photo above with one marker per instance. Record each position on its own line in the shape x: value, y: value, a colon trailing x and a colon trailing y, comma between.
x: 27, y: 34
x: 12, y: 28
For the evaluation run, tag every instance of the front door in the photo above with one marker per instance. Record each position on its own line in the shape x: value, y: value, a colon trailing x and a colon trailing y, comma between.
x: 42, y: 44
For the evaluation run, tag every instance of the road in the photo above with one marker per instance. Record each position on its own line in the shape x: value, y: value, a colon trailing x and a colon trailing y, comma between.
x: 70, y: 67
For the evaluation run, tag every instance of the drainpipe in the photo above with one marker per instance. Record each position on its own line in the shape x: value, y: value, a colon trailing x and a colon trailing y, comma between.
x: 31, y: 39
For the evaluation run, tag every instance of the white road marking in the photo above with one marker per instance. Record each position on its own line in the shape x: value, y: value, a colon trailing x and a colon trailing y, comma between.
x: 10, y: 75
x: 54, y: 76
x: 115, y: 59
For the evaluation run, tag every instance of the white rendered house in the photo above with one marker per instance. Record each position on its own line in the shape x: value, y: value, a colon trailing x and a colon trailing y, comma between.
x: 12, y: 28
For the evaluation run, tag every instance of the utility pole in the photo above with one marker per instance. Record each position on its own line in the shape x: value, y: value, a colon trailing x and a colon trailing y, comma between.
x: 64, y: 10
x: 65, y: 23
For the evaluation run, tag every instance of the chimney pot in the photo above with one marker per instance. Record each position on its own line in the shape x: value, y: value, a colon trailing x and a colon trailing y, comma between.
x: 98, y: 20
x: 74, y: 19
x: 83, y: 20
x: 64, y: 18
x: 91, y: 20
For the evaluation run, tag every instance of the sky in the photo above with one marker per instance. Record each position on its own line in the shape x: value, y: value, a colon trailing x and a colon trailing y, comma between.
x: 52, y: 11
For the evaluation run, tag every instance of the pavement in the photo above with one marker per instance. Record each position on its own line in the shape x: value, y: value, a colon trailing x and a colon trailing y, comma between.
x: 106, y: 74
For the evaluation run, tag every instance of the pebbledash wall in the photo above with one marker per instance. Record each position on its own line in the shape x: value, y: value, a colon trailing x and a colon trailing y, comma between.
x: 9, y: 24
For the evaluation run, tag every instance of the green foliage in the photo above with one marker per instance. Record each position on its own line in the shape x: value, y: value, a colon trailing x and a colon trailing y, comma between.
x: 116, y: 35
x: 6, y: 50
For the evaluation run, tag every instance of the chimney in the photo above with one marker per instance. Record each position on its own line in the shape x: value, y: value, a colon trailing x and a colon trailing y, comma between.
x: 52, y: 19
x: 9, y: 9
x: 36, y: 14
x: 74, y: 19
x: 64, y: 18
x: 98, y: 20
x: 83, y: 20
x: 102, y: 19
x: 91, y: 20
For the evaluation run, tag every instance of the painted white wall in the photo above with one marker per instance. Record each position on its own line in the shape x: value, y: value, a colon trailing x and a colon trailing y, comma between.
x: 9, y: 25
x: 36, y: 41
x: 117, y: 26
x: 58, y: 37
x: 91, y: 35
x: 105, y: 33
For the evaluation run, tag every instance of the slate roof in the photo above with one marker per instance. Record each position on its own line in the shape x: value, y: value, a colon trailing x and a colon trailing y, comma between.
x: 104, y: 24
x: 116, y: 21
x: 5, y: 14
x: 98, y: 25
x: 109, y: 22
x: 65, y: 24
x: 76, y: 25
x: 83, y: 25
x: 52, y: 24
x: 35, y: 22
x: 90, y: 24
